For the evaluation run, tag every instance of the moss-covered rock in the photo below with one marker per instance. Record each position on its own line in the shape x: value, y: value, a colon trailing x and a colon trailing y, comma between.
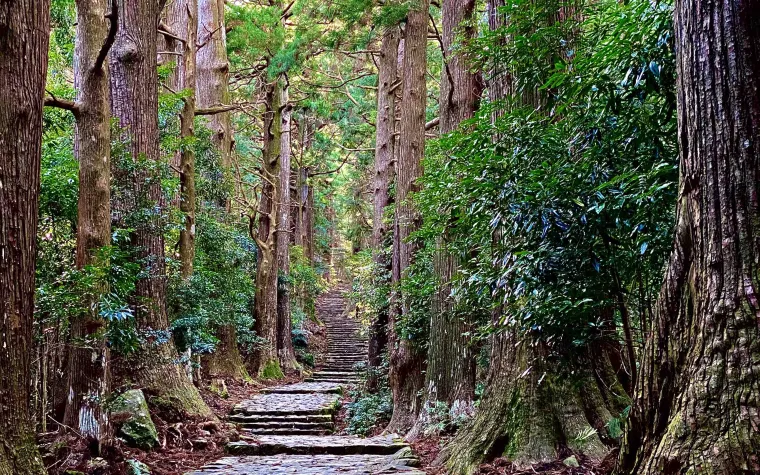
x: 132, y: 419
x: 271, y: 370
x: 135, y: 467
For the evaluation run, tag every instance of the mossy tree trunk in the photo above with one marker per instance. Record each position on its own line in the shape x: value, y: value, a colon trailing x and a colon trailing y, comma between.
x: 134, y: 93
x: 697, y: 401
x: 25, y: 27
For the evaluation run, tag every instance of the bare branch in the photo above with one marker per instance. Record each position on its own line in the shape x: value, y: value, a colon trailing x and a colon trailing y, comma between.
x: 64, y: 104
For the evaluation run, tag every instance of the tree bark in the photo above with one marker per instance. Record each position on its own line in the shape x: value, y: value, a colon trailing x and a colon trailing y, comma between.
x: 89, y: 370
x: 24, y: 33
x: 450, y: 376
x: 407, y: 360
x: 213, y: 73
x: 265, y: 362
x: 181, y: 16
x: 383, y: 177
x: 134, y: 93
x: 697, y: 401
x: 285, y: 351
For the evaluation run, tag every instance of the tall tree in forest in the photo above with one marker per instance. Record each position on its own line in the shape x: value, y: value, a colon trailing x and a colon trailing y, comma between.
x: 265, y: 361
x: 212, y: 91
x: 24, y: 36
x: 89, y: 357
x: 530, y: 410
x: 407, y: 360
x: 698, y: 396
x: 450, y: 376
x: 381, y: 183
x: 285, y: 351
x: 134, y: 94
x: 180, y: 32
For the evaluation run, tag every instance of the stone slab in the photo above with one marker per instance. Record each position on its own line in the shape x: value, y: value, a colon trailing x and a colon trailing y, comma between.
x: 307, y: 465
x: 291, y: 404
x: 306, y: 388
x: 319, y: 445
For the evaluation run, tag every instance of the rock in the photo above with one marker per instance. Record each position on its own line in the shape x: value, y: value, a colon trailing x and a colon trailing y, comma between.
x: 210, y: 426
x: 131, y: 415
x: 96, y: 463
x: 135, y: 467
x: 200, y: 443
x: 571, y: 461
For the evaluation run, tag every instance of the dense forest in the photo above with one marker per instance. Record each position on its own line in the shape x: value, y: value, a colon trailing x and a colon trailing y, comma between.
x: 540, y: 214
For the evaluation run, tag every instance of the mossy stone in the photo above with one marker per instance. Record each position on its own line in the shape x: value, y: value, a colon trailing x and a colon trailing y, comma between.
x: 136, y: 427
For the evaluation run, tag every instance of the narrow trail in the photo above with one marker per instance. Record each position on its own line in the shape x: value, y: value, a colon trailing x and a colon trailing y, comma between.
x: 288, y: 429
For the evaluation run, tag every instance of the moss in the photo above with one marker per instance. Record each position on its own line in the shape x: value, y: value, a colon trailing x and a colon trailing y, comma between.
x: 271, y: 370
x: 137, y: 428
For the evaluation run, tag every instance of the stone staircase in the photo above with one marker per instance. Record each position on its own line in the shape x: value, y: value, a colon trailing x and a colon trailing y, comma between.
x: 288, y: 429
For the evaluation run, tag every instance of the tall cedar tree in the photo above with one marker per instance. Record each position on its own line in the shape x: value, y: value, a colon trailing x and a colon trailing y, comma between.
x: 450, y: 376
x: 24, y: 36
x: 212, y: 90
x: 134, y: 93
x: 381, y: 183
x: 407, y: 360
x: 89, y: 357
x: 265, y: 362
x: 285, y: 351
x: 697, y: 403
x: 529, y: 412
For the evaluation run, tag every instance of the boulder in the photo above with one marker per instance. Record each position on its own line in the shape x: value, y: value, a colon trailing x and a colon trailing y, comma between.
x: 131, y: 417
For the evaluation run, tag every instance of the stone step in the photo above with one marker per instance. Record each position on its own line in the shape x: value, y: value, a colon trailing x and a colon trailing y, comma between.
x: 328, y: 426
x: 325, y: 445
x: 287, y: 419
x: 289, y: 404
x: 252, y: 433
x: 311, y: 465
x: 305, y: 388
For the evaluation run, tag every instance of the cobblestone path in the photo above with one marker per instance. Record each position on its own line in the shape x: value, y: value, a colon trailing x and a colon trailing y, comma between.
x: 289, y: 429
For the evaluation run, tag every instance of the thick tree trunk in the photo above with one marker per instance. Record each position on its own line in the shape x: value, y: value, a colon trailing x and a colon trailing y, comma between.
x: 383, y: 177
x: 24, y: 32
x: 134, y: 93
x: 265, y: 363
x: 407, y: 359
x: 212, y: 89
x: 89, y: 358
x: 285, y: 351
x: 226, y: 361
x: 697, y: 402
x: 450, y: 376
x: 529, y: 412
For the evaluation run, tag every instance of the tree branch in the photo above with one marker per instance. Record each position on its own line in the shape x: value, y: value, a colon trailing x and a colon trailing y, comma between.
x: 64, y: 104
x: 432, y: 123
x: 219, y: 109
x: 113, y: 17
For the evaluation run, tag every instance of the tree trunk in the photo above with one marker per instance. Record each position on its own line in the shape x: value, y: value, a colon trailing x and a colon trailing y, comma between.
x: 697, y: 402
x: 265, y: 363
x: 308, y: 221
x: 407, y: 359
x: 384, y: 154
x: 285, y: 351
x: 182, y: 18
x: 531, y: 411
x: 450, y: 376
x: 226, y: 361
x: 24, y: 32
x: 213, y: 71
x: 134, y: 93
x: 89, y: 358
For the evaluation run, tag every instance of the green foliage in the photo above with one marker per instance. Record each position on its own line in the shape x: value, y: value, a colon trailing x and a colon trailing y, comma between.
x: 370, y: 409
x: 557, y: 210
